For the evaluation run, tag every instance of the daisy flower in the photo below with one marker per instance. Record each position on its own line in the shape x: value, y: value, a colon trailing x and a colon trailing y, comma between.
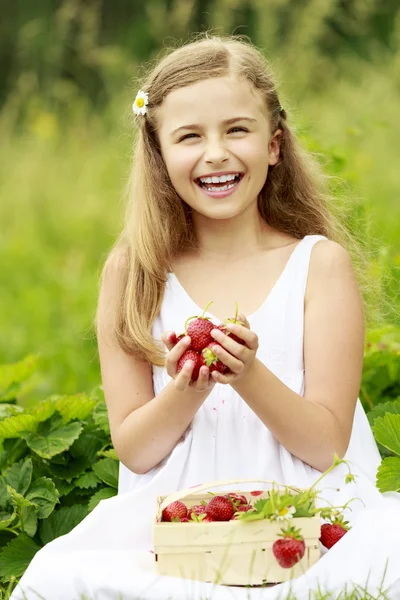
x: 284, y: 513
x: 139, y: 107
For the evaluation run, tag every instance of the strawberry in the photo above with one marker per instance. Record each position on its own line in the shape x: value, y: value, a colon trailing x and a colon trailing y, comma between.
x: 220, y: 508
x: 175, y: 511
x: 184, y: 520
x: 241, y: 508
x: 231, y: 335
x: 256, y: 493
x: 198, y: 509
x: 197, y: 358
x: 199, y: 330
x: 332, y: 533
x: 290, y: 548
x: 211, y: 360
x: 237, y: 499
x: 208, y: 519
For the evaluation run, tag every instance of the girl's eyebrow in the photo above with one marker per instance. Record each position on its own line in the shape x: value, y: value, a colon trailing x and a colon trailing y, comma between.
x: 227, y: 122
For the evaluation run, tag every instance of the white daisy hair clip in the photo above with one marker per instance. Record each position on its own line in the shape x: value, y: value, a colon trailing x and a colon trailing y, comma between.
x: 139, y: 107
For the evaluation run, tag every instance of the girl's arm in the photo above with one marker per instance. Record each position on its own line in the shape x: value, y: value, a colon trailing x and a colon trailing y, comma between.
x: 315, y: 426
x: 144, y: 428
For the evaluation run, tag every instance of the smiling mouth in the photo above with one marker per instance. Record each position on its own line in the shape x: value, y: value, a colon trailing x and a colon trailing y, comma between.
x: 220, y: 187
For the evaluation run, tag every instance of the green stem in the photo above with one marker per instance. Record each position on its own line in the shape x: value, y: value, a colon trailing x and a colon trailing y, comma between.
x: 197, y: 316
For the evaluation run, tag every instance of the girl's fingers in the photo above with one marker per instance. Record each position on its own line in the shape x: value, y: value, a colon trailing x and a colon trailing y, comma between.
x: 183, y: 379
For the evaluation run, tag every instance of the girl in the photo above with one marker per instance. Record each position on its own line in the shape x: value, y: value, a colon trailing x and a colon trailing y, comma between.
x: 225, y: 207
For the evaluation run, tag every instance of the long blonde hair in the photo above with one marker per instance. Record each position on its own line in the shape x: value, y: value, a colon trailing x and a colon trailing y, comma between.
x: 158, y: 224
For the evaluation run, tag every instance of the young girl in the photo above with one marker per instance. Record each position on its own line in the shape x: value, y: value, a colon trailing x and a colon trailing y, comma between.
x: 225, y: 207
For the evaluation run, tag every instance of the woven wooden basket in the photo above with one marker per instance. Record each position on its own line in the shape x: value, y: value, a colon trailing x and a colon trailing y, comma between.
x: 231, y: 552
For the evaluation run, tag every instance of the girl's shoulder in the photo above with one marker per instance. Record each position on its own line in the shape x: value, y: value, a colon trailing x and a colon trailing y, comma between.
x: 329, y: 262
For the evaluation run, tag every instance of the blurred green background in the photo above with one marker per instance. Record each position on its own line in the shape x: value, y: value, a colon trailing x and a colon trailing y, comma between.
x: 69, y: 72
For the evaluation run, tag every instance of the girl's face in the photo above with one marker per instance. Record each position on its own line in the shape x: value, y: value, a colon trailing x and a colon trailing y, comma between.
x: 216, y: 142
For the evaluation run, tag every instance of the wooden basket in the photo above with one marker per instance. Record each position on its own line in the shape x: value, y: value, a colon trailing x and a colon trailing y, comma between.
x: 228, y: 552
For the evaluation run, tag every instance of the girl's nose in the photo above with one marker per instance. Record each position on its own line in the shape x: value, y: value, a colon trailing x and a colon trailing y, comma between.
x: 215, y: 153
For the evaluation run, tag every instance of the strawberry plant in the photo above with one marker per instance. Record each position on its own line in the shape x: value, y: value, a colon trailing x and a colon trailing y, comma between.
x: 56, y: 464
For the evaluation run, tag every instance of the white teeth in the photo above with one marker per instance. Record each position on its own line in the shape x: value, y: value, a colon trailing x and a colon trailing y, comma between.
x: 216, y: 179
x: 221, y: 189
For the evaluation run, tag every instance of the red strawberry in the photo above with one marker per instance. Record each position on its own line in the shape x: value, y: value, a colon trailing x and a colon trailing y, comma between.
x: 197, y: 358
x: 198, y: 509
x: 178, y: 339
x: 208, y: 519
x: 241, y: 508
x: 174, y: 511
x: 231, y: 335
x: 331, y: 533
x: 211, y: 360
x: 220, y: 508
x: 184, y: 520
x: 256, y: 493
x: 237, y: 499
x: 199, y: 330
x: 290, y: 548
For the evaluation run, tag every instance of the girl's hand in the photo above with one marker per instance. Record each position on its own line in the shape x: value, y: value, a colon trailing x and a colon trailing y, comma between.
x: 183, y: 379
x: 238, y: 358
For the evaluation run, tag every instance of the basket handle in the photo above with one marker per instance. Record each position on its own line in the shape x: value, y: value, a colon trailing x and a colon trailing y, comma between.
x: 213, y: 484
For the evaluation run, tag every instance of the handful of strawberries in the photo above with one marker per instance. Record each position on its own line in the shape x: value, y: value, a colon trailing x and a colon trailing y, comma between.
x: 201, y: 350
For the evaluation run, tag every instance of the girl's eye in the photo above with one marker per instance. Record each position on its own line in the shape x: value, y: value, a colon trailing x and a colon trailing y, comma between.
x: 187, y: 136
x: 238, y: 129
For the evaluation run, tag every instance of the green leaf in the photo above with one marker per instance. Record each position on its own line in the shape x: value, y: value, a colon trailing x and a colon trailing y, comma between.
x: 63, y: 487
x: 16, y: 556
x: 392, y: 407
x: 387, y: 432
x: 19, y: 475
x: 87, y: 480
x: 107, y: 470
x: 19, y: 499
x: 388, y: 475
x: 88, y: 444
x: 11, y: 375
x: 29, y: 520
x: 73, y: 468
x: 43, y: 410
x: 61, y: 522
x: 109, y: 454
x: 9, y: 410
x: 12, y: 427
x: 56, y: 441
x: 103, y: 494
x: 100, y: 417
x: 44, y: 495
x: 79, y: 406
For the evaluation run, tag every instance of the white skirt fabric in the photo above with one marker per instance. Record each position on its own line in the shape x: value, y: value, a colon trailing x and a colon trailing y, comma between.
x: 109, y: 555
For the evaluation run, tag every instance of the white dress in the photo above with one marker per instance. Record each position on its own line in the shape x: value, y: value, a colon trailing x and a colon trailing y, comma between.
x: 108, y: 555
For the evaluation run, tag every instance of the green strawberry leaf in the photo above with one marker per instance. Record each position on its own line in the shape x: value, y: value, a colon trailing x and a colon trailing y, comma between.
x: 53, y: 442
x: 107, y: 470
x: 87, y: 480
x: 19, y: 475
x: 16, y: 556
x: 387, y: 432
x: 102, y: 494
x: 388, y: 475
x: 61, y: 522
x: 392, y: 407
x: 44, y: 495
x: 29, y: 520
x: 100, y: 417
x: 78, y: 406
x: 74, y: 467
x: 12, y: 427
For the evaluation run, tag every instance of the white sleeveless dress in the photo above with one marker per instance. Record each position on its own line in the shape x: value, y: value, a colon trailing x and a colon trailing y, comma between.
x: 109, y: 554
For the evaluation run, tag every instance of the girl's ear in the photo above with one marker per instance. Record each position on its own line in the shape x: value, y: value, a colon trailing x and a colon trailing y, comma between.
x: 274, y: 147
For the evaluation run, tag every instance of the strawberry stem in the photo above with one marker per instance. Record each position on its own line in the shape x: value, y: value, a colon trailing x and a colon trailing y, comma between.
x: 198, y: 317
